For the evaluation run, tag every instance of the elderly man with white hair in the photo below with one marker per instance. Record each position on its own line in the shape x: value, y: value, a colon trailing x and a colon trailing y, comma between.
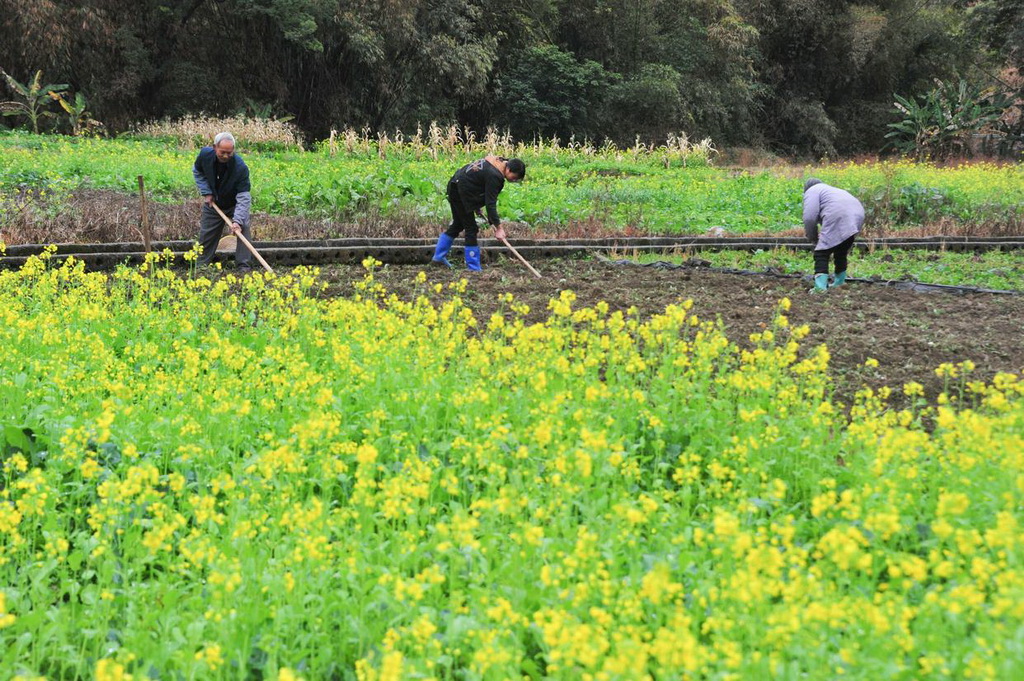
x: 223, y: 178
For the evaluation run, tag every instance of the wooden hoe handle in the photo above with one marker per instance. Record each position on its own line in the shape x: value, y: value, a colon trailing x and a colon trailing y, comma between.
x: 521, y: 258
x: 252, y: 249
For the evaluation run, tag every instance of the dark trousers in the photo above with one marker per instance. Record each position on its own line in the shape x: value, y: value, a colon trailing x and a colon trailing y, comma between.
x: 840, y: 252
x: 462, y: 217
x: 211, y: 226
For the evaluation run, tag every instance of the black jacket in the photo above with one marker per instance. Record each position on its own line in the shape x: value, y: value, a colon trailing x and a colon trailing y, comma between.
x: 479, y: 185
x: 234, y: 182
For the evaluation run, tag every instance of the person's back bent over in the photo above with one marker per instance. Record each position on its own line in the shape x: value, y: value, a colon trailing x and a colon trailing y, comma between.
x: 473, y: 187
x: 841, y: 216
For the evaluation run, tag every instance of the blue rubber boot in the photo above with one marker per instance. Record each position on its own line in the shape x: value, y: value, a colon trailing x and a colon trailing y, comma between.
x: 840, y: 279
x: 820, y: 283
x: 444, y: 244
x: 473, y: 258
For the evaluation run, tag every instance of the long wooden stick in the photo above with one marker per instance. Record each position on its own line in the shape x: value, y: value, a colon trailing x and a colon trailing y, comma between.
x: 146, y: 236
x: 238, y: 235
x: 521, y: 258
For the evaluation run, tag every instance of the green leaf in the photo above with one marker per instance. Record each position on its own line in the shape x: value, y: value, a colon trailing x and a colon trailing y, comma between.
x: 19, y: 438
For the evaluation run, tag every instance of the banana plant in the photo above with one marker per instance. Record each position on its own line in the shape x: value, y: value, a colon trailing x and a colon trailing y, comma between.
x: 942, y: 121
x: 36, y: 97
x: 79, y: 117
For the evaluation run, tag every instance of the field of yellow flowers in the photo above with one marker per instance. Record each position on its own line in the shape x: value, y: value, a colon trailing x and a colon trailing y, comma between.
x: 245, y: 479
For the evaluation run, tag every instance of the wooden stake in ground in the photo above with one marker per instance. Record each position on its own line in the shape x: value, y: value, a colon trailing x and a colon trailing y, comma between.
x: 239, y: 236
x: 521, y: 258
x: 147, y: 238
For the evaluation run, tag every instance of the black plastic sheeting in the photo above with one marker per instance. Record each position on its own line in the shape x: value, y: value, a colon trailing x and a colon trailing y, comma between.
x: 915, y: 286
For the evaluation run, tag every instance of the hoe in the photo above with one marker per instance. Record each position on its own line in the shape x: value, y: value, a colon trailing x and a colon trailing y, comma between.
x: 245, y: 241
x: 521, y: 258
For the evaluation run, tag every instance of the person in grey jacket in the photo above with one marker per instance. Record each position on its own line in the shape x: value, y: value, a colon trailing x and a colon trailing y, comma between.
x: 223, y: 178
x: 840, y: 216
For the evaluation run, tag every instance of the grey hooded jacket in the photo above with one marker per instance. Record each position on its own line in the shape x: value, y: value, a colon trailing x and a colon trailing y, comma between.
x: 838, y: 212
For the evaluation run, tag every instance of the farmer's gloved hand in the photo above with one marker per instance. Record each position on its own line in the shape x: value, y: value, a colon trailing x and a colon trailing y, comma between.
x: 236, y: 228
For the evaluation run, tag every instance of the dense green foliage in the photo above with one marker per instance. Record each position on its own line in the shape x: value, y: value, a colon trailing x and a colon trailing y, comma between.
x: 808, y: 76
x: 660, y: 190
x: 943, y: 121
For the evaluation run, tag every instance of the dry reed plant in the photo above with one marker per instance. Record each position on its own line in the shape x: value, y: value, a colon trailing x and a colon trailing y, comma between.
x: 438, y: 141
x: 197, y: 131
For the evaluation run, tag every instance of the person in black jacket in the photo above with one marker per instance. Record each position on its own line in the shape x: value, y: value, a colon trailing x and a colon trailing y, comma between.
x: 472, y: 188
x: 222, y: 177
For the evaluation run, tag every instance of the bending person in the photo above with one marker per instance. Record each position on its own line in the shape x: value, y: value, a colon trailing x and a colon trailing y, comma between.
x: 841, y: 216
x: 472, y: 188
x: 222, y: 177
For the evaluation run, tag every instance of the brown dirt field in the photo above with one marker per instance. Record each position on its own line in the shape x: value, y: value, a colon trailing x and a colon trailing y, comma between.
x: 909, y: 334
x: 108, y: 216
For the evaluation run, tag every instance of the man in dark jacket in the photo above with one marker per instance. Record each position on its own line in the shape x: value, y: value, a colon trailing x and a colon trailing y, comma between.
x: 472, y: 188
x: 223, y: 178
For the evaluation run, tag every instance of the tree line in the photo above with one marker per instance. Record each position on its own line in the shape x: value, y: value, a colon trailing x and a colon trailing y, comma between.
x: 796, y: 76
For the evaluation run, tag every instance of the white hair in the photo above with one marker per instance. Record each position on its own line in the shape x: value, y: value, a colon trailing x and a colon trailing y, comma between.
x: 223, y: 137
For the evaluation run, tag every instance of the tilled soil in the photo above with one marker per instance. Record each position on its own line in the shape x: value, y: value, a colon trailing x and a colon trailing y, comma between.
x: 910, y: 334
x: 110, y: 216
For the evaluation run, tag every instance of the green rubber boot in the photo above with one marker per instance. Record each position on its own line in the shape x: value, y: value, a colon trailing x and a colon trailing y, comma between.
x: 820, y: 283
x: 840, y: 279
